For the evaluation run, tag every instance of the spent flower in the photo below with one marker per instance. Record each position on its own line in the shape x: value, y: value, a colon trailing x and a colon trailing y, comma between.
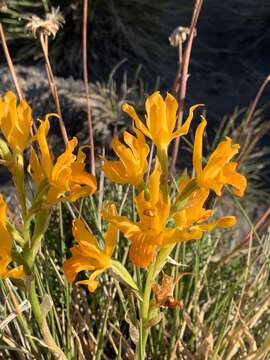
x: 49, y: 26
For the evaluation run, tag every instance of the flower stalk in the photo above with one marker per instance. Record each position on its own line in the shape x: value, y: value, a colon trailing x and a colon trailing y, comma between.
x: 30, y: 252
x: 18, y: 178
x: 144, y: 313
x: 42, y: 322
x: 163, y: 159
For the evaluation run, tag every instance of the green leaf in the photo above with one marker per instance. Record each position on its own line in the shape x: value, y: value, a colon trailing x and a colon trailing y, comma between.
x: 162, y: 259
x: 125, y: 275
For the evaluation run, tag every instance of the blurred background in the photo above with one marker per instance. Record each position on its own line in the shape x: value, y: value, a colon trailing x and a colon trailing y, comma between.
x: 230, y: 56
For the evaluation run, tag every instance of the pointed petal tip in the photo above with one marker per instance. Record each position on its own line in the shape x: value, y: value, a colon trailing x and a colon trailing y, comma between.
x: 126, y: 107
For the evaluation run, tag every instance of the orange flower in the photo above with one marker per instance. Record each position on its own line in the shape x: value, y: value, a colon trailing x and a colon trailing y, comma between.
x: 146, y: 234
x: 89, y: 255
x: 15, y: 121
x: 193, y: 215
x: 161, y: 119
x: 219, y: 171
x: 6, y: 246
x: 132, y: 163
x: 152, y: 231
x: 66, y: 176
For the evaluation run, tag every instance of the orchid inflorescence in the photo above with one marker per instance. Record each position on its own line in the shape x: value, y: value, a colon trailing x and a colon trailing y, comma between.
x: 163, y: 220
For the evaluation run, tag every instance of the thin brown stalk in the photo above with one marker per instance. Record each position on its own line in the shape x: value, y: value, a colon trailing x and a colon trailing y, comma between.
x: 254, y: 104
x: 10, y: 63
x: 12, y: 69
x: 176, y: 83
x: 53, y: 86
x: 85, y: 79
x: 184, y: 77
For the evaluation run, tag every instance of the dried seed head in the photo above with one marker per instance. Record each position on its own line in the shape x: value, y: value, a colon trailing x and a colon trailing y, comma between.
x: 180, y: 35
x: 50, y: 26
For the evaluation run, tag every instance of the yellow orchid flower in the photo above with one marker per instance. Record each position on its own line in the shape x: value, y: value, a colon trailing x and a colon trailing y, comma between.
x: 160, y: 119
x: 218, y: 171
x: 88, y: 254
x: 15, y: 121
x: 151, y: 232
x: 66, y: 176
x: 132, y: 163
x: 193, y: 215
x: 146, y: 234
x: 6, y: 246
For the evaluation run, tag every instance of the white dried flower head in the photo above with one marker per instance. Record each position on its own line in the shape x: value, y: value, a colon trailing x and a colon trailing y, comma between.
x: 48, y: 26
x: 180, y: 35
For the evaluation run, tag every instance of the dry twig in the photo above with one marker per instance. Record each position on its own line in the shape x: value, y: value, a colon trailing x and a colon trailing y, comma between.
x: 44, y: 44
x: 184, y: 77
x: 85, y: 79
x: 10, y: 64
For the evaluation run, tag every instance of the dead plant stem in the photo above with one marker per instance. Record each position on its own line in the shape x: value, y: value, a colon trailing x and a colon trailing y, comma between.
x: 254, y: 104
x: 184, y: 78
x: 53, y: 86
x: 10, y: 63
x: 85, y: 79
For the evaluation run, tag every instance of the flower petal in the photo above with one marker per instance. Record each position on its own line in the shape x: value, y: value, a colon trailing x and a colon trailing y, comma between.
x: 171, y: 112
x: 110, y: 237
x: 82, y: 235
x: 142, y: 250
x: 34, y: 167
x: 76, y: 264
x: 183, y: 130
x: 198, y: 144
x: 238, y: 181
x: 225, y: 222
x: 92, y: 283
x: 139, y: 124
x: 176, y: 235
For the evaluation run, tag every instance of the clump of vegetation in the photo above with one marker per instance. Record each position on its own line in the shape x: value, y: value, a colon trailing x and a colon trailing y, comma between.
x: 133, y: 259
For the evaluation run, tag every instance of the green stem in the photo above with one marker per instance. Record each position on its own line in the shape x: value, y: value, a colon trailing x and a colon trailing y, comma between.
x: 42, y: 323
x: 163, y: 159
x: 18, y: 178
x: 30, y: 252
x: 144, y: 313
x: 31, y: 247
